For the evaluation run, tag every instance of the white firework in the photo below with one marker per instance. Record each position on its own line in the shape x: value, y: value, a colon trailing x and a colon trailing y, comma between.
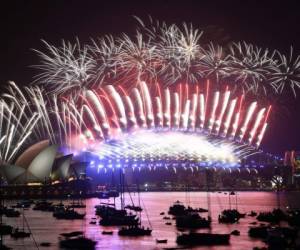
x: 250, y: 66
x: 137, y: 57
x: 105, y: 51
x: 286, y: 73
x: 16, y: 128
x: 65, y: 67
x: 168, y: 54
x: 214, y: 64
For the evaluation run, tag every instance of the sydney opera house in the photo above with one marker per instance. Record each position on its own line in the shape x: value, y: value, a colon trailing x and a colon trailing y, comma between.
x: 41, y: 163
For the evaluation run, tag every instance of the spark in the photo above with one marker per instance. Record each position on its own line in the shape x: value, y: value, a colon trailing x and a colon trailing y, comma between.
x: 167, y: 53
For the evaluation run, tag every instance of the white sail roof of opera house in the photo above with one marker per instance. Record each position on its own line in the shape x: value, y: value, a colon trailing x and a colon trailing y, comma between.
x: 41, y: 165
x: 30, y: 153
x: 11, y: 172
x: 61, y: 168
x: 39, y: 168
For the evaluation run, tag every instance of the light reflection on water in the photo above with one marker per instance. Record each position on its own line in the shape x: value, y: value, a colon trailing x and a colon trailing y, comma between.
x: 45, y: 228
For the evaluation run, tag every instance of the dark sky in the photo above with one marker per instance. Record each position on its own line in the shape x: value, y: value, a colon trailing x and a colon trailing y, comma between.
x: 265, y: 23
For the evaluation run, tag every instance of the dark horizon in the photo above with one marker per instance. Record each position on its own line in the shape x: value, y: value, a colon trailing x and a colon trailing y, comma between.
x: 265, y: 24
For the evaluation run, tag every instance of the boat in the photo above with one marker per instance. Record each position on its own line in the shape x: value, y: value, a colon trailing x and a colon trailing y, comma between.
x: 93, y: 221
x: 110, y: 216
x: 67, y: 214
x: 162, y: 213
x: 277, y: 242
x: 293, y: 218
x: 177, y: 209
x: 11, y: 212
x: 203, y: 239
x: 23, y: 204
x: 5, y: 229
x: 78, y: 242
x: 252, y: 214
x: 192, y: 221
x: 260, y: 232
x: 230, y: 216
x: 282, y: 238
x: 232, y: 193
x: 43, y: 205
x: 105, y: 210
x: 253, y: 223
x: 107, y: 194
x: 164, y: 241
x: 236, y: 233
x: 107, y: 232
x: 45, y: 244
x: 78, y: 204
x: 16, y: 234
x: 134, y: 208
x: 135, y: 231
x: 72, y: 234
x: 275, y: 216
x: 196, y: 210
x: 126, y: 220
x: 2, y: 209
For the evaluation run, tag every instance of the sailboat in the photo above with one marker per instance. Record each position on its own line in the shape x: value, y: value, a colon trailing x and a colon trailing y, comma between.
x: 203, y: 239
x: 67, y: 214
x: 76, y: 240
x: 17, y: 233
x: 136, y: 230
x: 111, y: 216
x: 4, y: 229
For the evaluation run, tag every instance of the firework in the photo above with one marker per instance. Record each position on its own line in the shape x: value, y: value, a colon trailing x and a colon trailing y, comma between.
x: 169, y: 54
x: 177, y: 124
x: 160, y: 148
x: 163, y: 83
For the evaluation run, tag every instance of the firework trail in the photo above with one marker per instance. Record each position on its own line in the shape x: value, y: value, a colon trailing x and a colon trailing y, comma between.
x: 165, y: 77
x: 169, y: 54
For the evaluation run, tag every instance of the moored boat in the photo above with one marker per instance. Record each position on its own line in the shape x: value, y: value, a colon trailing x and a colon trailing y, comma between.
x: 135, y: 231
x: 16, y: 234
x: 77, y: 242
x: 67, y: 214
x: 204, y: 239
x: 192, y: 221
x: 107, y: 232
x: 163, y: 241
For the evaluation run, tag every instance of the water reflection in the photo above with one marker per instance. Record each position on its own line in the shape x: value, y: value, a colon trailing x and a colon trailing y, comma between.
x: 45, y: 228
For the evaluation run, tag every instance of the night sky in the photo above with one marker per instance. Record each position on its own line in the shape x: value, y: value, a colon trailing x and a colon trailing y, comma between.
x: 265, y: 23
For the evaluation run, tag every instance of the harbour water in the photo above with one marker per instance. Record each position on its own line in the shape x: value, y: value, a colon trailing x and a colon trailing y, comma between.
x: 45, y: 228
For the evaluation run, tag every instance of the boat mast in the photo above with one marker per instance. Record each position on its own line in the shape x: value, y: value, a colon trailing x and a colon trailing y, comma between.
x: 139, y: 200
x: 2, y: 207
x: 113, y: 185
x: 122, y: 189
x: 23, y: 218
x: 208, y: 193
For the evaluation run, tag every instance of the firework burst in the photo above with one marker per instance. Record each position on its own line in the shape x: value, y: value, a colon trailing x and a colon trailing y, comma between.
x: 169, y: 54
x: 90, y: 94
